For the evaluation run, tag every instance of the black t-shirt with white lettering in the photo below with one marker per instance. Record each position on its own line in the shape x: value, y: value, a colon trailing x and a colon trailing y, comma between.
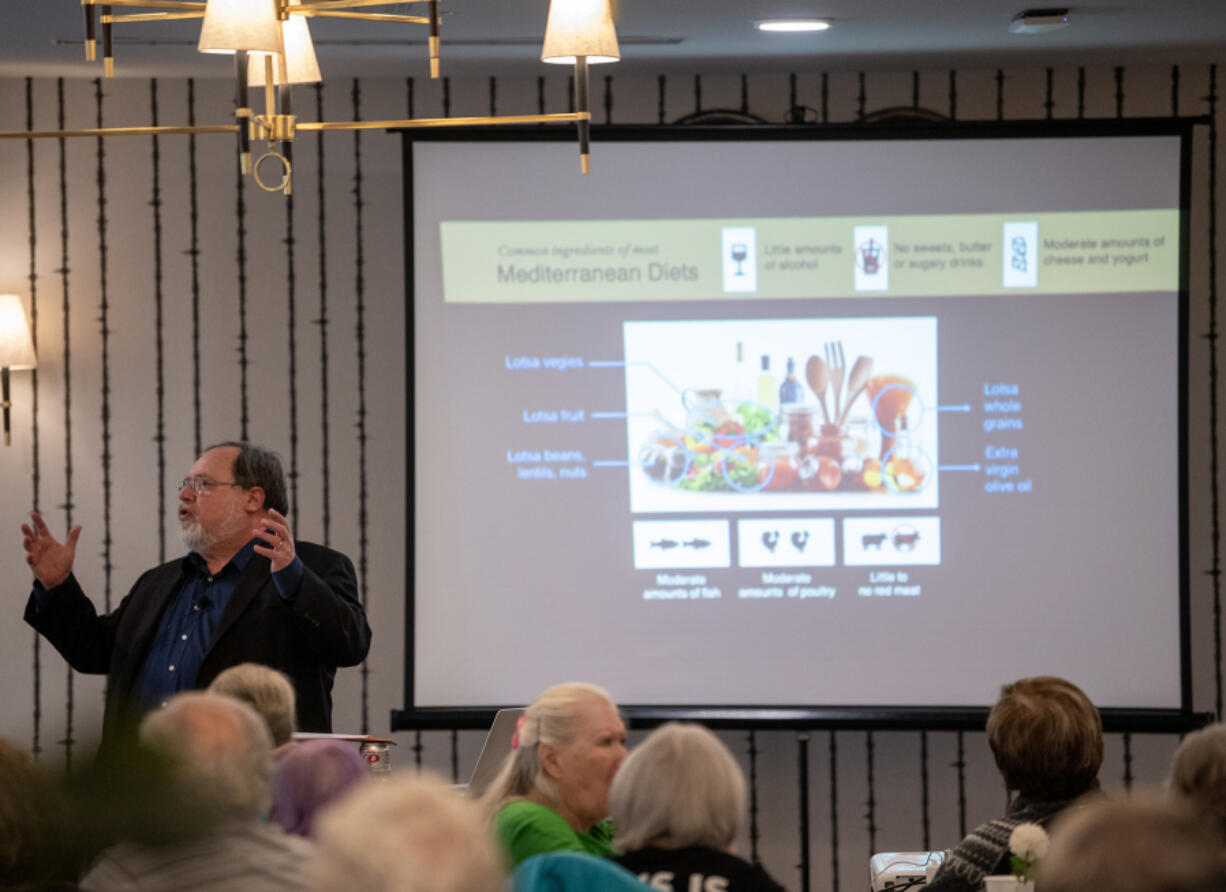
x: 696, y: 869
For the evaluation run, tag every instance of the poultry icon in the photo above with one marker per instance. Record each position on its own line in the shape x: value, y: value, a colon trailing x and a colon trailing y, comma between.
x: 800, y: 539
x: 770, y: 539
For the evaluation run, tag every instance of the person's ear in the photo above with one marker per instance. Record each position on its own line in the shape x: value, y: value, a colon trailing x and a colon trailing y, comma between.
x: 255, y: 499
x: 549, y: 760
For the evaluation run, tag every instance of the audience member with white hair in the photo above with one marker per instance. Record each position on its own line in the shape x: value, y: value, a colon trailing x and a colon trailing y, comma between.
x: 269, y: 692
x: 552, y: 793
x: 676, y: 804
x: 1197, y: 782
x: 409, y: 833
x: 219, y: 756
x: 1132, y: 846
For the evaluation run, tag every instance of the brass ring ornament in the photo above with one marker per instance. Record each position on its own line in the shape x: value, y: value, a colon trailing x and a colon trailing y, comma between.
x: 285, y: 175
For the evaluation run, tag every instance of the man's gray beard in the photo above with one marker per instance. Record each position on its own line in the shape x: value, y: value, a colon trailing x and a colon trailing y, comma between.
x: 194, y: 537
x: 200, y: 540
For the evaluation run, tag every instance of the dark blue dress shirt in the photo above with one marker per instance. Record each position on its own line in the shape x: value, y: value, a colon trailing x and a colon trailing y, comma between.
x: 186, y: 628
x: 185, y: 632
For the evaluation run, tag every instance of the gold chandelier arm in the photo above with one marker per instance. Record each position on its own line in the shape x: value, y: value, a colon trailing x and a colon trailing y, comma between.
x: 120, y: 131
x: 183, y: 5
x: 557, y: 118
x: 346, y: 4
x: 150, y: 17
x: 360, y: 16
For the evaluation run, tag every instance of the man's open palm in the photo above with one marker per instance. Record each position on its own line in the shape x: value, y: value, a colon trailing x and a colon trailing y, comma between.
x: 50, y: 559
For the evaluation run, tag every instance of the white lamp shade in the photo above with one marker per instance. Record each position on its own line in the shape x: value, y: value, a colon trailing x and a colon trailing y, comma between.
x: 580, y: 28
x: 299, y: 57
x: 234, y: 25
x: 16, y: 346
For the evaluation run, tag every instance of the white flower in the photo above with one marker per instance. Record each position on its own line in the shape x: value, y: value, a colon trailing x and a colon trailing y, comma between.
x: 1029, y: 842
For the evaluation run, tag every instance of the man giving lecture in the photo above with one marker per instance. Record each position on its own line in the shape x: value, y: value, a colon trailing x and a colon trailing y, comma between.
x: 245, y: 592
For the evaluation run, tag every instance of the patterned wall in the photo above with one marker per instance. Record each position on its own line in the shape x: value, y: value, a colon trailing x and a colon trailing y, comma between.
x: 174, y: 304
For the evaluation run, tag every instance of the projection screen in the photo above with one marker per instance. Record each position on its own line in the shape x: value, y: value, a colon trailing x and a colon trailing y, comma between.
x: 776, y: 421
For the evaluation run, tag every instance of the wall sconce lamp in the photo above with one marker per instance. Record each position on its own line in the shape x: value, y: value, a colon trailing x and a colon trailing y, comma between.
x: 16, y: 350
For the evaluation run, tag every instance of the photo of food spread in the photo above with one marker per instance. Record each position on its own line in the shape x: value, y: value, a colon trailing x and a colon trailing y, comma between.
x: 824, y: 412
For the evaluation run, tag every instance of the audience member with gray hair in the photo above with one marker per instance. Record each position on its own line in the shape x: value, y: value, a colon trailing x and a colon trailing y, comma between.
x: 410, y: 833
x: 677, y: 803
x: 1197, y: 782
x: 1132, y: 846
x: 219, y: 756
x: 265, y: 690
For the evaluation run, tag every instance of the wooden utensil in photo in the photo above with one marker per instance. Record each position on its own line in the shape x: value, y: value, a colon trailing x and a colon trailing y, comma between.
x: 856, y: 382
x: 837, y: 367
x: 818, y: 377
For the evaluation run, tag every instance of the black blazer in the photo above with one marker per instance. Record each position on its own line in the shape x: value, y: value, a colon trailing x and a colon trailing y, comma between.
x: 322, y: 628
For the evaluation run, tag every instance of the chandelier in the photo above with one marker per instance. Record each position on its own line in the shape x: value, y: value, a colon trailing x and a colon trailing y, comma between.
x: 271, y: 44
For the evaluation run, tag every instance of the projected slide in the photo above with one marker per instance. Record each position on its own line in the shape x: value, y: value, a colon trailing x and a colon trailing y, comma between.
x: 824, y: 413
x: 730, y: 423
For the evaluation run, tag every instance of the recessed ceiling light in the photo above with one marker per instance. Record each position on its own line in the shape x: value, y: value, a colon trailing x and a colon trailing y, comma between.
x: 792, y: 25
x: 1038, y: 21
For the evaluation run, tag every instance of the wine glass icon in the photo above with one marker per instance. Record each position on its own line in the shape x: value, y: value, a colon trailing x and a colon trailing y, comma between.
x: 739, y: 252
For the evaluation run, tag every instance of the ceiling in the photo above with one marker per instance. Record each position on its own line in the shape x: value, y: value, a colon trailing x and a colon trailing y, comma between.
x: 481, y: 37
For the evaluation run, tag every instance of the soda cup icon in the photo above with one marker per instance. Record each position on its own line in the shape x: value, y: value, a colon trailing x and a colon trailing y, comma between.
x: 870, y: 257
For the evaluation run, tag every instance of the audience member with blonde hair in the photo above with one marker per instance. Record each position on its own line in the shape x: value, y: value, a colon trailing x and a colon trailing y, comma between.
x: 410, y: 833
x: 552, y: 793
x: 1132, y: 846
x: 1197, y: 783
x: 676, y: 804
x: 1047, y: 739
x: 265, y: 690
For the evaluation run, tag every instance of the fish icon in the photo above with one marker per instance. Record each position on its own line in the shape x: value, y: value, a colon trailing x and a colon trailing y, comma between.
x: 664, y: 544
x: 697, y: 543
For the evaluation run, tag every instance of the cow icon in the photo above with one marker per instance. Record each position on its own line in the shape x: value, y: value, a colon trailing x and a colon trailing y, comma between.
x: 904, y: 538
x: 873, y: 540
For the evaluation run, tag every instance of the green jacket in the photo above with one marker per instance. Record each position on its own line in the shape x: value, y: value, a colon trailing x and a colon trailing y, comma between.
x: 528, y: 829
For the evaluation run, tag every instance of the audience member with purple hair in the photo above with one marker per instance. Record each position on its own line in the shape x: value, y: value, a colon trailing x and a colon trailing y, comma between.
x: 310, y: 776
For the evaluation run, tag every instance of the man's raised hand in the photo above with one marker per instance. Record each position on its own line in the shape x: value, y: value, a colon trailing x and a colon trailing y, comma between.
x: 50, y: 559
x: 274, y: 529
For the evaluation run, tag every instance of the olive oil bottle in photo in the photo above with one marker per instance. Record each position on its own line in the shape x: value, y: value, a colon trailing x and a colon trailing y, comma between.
x: 768, y: 396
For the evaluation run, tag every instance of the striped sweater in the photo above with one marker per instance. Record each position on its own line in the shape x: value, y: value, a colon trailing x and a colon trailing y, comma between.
x: 985, y: 850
